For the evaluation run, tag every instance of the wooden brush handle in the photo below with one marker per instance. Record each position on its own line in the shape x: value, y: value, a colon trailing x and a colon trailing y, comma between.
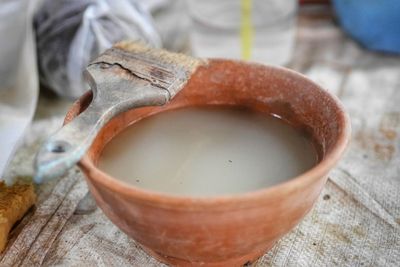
x: 126, y: 76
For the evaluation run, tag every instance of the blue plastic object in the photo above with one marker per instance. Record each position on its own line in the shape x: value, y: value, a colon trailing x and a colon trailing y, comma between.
x: 373, y: 23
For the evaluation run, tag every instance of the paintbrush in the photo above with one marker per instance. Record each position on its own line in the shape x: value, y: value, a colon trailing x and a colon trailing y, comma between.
x: 129, y: 75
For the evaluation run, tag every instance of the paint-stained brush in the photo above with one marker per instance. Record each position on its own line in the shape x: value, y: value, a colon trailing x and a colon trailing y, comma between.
x: 129, y: 75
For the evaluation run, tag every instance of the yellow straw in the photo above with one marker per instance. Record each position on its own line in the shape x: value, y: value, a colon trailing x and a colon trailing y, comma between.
x: 246, y: 29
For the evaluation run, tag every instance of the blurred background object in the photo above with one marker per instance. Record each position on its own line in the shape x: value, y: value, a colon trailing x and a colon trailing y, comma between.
x: 18, y: 74
x: 258, y: 30
x: 171, y: 22
x: 375, y: 24
x: 13, y: 20
x: 70, y: 33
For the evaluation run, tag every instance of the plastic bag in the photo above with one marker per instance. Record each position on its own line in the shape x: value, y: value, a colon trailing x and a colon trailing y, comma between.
x: 70, y: 33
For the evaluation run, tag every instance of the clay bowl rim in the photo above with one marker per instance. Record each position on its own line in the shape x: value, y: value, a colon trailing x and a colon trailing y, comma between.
x: 239, y: 200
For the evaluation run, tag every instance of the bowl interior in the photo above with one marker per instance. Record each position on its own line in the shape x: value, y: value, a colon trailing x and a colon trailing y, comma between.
x: 272, y: 90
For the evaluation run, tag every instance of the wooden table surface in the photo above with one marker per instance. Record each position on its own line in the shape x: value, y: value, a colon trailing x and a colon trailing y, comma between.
x: 356, y: 221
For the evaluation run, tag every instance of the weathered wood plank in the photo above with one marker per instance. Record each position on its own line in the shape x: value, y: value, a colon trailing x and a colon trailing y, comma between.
x: 44, y: 241
x: 53, y: 212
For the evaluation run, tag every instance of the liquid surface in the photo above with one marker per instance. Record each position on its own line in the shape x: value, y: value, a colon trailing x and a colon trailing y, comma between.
x: 207, y: 152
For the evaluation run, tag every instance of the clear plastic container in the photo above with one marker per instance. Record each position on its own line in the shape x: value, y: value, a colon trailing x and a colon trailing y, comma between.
x: 218, y: 29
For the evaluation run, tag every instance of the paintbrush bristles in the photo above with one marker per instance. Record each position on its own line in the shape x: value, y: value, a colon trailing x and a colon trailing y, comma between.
x: 165, y: 57
x: 163, y: 69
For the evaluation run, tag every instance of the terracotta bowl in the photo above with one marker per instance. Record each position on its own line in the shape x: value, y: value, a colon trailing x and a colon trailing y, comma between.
x: 229, y: 230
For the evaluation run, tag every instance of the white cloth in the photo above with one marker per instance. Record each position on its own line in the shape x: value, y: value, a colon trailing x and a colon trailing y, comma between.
x: 18, y: 75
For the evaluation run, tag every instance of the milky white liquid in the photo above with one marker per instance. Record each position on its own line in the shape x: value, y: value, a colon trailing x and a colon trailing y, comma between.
x: 207, y: 152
